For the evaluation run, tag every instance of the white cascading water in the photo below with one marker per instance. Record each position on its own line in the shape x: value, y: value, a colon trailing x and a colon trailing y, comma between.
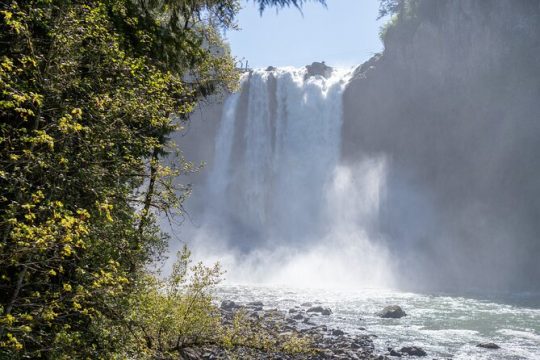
x: 289, y: 222
x: 281, y: 208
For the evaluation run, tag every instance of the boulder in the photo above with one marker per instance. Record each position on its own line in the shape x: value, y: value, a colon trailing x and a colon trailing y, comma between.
x: 318, y: 69
x: 337, y: 332
x: 271, y: 68
x: 413, y: 351
x: 492, y: 346
x: 392, y: 312
x: 393, y: 352
x: 320, y: 310
x: 229, y: 305
x: 255, y: 303
x: 306, y: 304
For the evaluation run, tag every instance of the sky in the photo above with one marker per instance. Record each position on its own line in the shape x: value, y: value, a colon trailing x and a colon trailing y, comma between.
x: 344, y: 34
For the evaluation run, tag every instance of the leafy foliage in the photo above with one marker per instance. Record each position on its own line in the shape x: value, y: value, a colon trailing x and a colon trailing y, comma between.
x: 405, y: 17
x: 263, y: 4
x: 178, y: 312
x: 390, y: 7
x: 90, y: 92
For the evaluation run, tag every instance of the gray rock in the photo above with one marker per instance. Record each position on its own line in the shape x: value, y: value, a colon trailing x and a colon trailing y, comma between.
x: 392, y: 312
x: 413, y: 351
x: 229, y: 305
x: 337, y: 332
x: 491, y: 346
x: 318, y: 69
x: 320, y: 310
x: 255, y: 304
x: 306, y: 304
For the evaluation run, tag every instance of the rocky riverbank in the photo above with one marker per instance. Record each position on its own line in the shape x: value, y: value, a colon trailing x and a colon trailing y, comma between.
x: 298, y: 322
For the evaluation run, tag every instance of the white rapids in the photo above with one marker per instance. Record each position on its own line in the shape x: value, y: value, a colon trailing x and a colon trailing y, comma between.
x: 445, y: 326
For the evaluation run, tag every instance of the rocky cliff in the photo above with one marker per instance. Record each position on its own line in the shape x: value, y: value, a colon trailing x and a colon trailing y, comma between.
x: 453, y: 105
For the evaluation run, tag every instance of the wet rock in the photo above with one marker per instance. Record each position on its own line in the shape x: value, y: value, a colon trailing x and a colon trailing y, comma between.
x: 491, y: 346
x: 255, y: 304
x: 306, y: 304
x: 293, y: 311
x: 229, y: 305
x: 331, y: 344
x: 413, y: 351
x: 393, y: 352
x: 318, y: 69
x: 319, y: 310
x: 392, y: 312
x: 271, y: 68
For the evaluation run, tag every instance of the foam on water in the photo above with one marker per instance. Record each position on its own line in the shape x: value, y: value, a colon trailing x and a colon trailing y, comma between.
x: 444, y: 326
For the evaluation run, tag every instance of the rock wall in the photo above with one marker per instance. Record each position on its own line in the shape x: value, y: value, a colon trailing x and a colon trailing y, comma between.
x: 453, y: 104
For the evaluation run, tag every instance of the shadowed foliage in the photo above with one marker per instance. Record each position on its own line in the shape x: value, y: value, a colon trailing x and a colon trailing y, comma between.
x: 90, y: 93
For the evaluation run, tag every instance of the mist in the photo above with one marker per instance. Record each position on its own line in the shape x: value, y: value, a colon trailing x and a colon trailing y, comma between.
x: 418, y: 170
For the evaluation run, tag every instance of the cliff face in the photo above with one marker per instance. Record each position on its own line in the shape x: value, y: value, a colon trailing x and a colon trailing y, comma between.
x: 453, y: 105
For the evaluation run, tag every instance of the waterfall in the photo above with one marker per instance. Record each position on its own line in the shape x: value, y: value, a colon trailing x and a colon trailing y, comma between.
x: 290, y: 144
x: 277, y: 191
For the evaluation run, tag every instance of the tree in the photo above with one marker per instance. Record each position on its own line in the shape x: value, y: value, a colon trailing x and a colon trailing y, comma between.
x: 390, y: 7
x: 90, y: 93
x: 263, y: 4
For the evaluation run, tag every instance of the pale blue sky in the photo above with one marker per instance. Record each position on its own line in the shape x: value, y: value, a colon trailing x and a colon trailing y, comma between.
x: 343, y: 34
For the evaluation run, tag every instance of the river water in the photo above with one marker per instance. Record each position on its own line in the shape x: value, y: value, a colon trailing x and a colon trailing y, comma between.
x: 444, y: 326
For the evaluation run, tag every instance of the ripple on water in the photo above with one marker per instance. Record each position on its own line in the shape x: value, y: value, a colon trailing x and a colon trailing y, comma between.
x: 444, y: 326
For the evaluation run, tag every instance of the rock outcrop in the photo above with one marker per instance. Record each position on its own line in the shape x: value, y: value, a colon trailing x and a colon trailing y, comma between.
x: 318, y: 69
x: 451, y: 106
x: 327, y: 343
